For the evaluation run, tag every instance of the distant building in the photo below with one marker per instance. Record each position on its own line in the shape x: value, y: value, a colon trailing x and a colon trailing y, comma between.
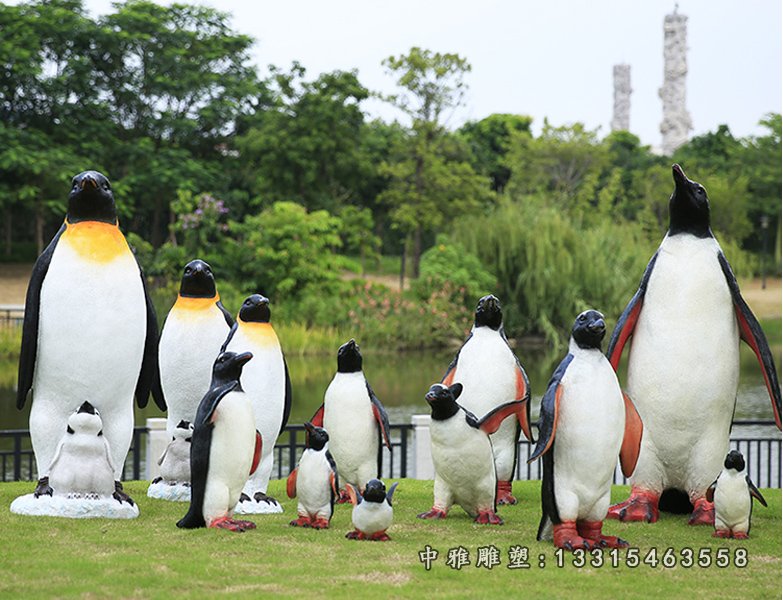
x: 676, y: 124
x: 621, y: 118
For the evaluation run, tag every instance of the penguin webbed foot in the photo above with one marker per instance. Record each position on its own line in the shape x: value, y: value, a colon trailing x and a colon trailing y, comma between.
x: 262, y: 497
x: 503, y: 493
x: 721, y: 533
x: 488, y: 517
x: 433, y: 513
x: 157, y: 480
x: 235, y: 525
x: 740, y: 535
x: 343, y: 498
x: 243, y: 497
x: 355, y: 535
x: 379, y: 536
x: 319, y: 524
x: 43, y: 488
x: 642, y: 505
x: 120, y: 496
x: 565, y: 536
x: 300, y: 522
x: 703, y: 513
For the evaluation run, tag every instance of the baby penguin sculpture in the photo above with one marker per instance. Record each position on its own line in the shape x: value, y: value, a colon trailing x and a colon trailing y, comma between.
x: 175, y: 460
x: 314, y: 481
x: 372, y: 511
x: 733, y: 493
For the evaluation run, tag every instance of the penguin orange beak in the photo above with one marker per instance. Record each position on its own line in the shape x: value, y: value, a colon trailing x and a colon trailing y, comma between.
x: 243, y: 358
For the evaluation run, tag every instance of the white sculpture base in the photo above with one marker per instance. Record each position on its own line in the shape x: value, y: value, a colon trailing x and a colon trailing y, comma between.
x: 251, y: 507
x: 73, y: 508
x: 163, y: 490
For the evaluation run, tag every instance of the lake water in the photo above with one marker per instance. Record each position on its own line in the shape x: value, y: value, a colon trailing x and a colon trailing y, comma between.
x: 401, y: 379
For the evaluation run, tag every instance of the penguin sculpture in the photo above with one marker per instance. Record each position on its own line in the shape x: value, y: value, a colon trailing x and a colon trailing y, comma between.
x: 462, y: 454
x: 175, y: 461
x: 685, y: 323
x: 268, y: 387
x: 82, y: 466
x: 314, y: 481
x: 733, y: 493
x: 195, y: 329
x: 372, y: 511
x: 491, y: 375
x: 585, y: 422
x: 226, y: 448
x: 355, y: 419
x: 89, y: 329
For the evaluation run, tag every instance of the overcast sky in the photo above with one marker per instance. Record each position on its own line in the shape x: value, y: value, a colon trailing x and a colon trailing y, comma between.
x: 544, y: 58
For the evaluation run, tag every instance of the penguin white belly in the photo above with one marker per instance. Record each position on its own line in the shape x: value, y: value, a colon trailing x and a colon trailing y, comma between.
x: 263, y: 379
x: 732, y: 502
x: 683, y: 365
x: 590, y: 428
x: 353, y: 431
x: 313, y: 487
x: 230, y: 455
x: 82, y: 468
x: 189, y: 343
x: 175, y: 466
x: 487, y: 371
x: 372, y: 517
x: 463, y: 460
x: 91, y: 336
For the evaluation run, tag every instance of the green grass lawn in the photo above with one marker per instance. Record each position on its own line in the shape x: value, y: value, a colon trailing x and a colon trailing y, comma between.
x: 150, y: 557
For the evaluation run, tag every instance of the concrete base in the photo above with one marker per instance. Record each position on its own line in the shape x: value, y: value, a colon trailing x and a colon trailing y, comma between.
x: 251, y: 507
x: 173, y: 492
x: 73, y: 508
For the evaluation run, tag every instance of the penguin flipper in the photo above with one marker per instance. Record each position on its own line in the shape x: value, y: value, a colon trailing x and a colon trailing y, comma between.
x: 334, y: 479
x: 710, y: 494
x: 379, y: 412
x: 230, y: 335
x: 32, y: 313
x: 632, y: 438
x: 390, y: 493
x: 149, y: 376
x: 627, y: 321
x: 448, y: 376
x: 209, y: 402
x: 199, y: 467
x: 353, y: 494
x: 290, y: 483
x: 226, y: 315
x: 318, y: 417
x: 754, y: 491
x: 491, y: 422
x: 288, y: 398
x: 550, y: 405
x: 523, y: 394
x: 752, y: 334
x: 257, y: 452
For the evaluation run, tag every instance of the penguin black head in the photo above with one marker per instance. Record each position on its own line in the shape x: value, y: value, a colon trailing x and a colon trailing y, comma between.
x: 91, y: 199
x: 316, y: 437
x: 349, y: 358
x: 689, y: 207
x: 197, y: 280
x: 735, y: 460
x: 589, y: 329
x: 88, y: 408
x: 228, y: 366
x: 255, y: 309
x: 443, y: 400
x: 375, y: 491
x: 489, y: 313
x: 85, y: 419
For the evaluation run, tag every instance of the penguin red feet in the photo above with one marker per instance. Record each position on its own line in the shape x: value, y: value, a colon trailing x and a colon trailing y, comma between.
x: 566, y: 536
x: 739, y: 535
x: 234, y: 525
x: 591, y: 531
x: 703, y: 513
x: 488, y: 517
x: 641, y: 506
x: 301, y: 522
x: 433, y: 513
x: 355, y: 535
x: 319, y: 523
x: 721, y: 533
x: 503, y: 493
x: 344, y: 497
x: 379, y: 536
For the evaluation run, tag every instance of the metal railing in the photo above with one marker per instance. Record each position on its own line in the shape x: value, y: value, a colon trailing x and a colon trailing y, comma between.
x: 17, y: 463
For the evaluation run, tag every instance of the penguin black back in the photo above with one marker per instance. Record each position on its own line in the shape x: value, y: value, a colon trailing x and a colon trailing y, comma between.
x: 689, y: 207
x: 91, y: 199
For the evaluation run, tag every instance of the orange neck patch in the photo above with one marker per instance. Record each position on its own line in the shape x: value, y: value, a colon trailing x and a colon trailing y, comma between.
x: 96, y: 241
x: 261, y: 333
x: 185, y: 303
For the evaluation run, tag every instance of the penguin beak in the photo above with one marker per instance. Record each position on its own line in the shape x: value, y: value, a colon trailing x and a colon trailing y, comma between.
x: 309, y: 427
x: 597, y: 326
x: 88, y: 180
x: 430, y: 397
x: 86, y: 407
x: 679, y: 175
x: 243, y: 358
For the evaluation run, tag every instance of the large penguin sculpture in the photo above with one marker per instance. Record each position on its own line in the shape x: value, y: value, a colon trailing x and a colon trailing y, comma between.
x: 194, y: 331
x: 372, y: 513
x: 355, y: 419
x: 685, y: 323
x: 491, y: 375
x: 268, y: 386
x: 733, y: 493
x: 585, y: 422
x: 314, y: 482
x: 89, y: 330
x: 462, y: 455
x: 226, y: 447
x: 82, y: 466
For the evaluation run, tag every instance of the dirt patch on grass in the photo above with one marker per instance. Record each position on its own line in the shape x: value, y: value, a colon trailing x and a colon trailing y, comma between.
x: 765, y: 303
x: 13, y: 282
x: 395, y: 579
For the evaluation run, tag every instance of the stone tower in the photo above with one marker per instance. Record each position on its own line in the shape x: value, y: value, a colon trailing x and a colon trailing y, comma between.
x: 621, y: 118
x: 676, y: 122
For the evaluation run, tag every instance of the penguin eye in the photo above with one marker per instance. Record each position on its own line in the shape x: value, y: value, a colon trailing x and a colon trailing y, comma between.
x: 188, y: 270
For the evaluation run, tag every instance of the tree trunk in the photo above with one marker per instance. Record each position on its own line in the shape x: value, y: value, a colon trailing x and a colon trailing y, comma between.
x: 157, y: 215
x: 402, y: 264
x: 8, y: 231
x: 416, y: 251
x: 39, y: 227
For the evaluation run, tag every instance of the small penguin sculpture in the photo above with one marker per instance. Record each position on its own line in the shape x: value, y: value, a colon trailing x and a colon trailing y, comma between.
x: 733, y: 493
x: 175, y: 460
x: 372, y: 511
x: 314, y: 481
